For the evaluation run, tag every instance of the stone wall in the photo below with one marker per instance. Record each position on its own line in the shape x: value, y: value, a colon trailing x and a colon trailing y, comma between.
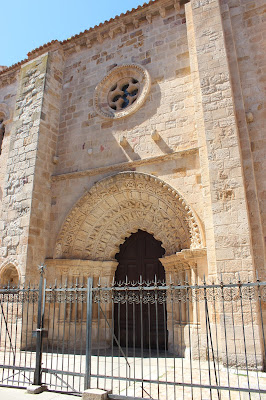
x: 39, y: 229
x: 227, y: 222
x: 89, y: 146
x: 17, y: 199
x: 8, y: 91
x: 161, y: 46
x: 244, y: 27
x: 26, y: 199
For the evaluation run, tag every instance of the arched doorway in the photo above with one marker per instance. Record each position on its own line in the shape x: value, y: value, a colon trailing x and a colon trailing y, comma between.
x: 137, y: 325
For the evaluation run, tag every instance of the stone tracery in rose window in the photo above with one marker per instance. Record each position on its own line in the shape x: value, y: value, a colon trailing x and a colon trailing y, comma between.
x: 122, y: 91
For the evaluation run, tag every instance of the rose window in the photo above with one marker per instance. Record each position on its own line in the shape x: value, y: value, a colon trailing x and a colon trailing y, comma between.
x: 122, y: 91
x: 123, y: 94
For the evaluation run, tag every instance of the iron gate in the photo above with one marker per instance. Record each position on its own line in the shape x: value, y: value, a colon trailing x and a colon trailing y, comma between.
x: 68, y: 337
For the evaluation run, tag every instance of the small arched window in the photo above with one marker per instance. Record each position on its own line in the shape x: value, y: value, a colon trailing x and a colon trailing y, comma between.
x: 2, y: 133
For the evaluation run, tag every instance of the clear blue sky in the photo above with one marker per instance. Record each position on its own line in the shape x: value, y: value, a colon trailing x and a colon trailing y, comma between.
x: 27, y: 24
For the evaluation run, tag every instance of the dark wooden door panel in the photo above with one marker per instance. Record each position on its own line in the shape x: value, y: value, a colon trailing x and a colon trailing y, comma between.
x: 139, y: 256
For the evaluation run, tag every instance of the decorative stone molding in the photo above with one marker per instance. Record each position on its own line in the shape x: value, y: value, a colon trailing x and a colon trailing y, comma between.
x: 118, y: 206
x: 183, y: 259
x: 184, y: 265
x: 122, y: 92
x: 125, y: 166
x: 80, y: 268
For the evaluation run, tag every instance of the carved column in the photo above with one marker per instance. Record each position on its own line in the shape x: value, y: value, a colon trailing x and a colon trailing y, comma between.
x: 102, y: 272
x: 180, y: 268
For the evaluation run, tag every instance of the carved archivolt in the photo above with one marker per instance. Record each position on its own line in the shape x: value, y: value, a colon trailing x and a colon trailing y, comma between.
x: 120, y: 205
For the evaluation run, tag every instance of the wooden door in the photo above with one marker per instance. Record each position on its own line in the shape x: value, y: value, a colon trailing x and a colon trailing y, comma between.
x: 138, y: 325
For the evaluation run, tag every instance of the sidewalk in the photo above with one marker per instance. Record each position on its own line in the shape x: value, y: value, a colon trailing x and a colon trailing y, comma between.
x: 21, y: 394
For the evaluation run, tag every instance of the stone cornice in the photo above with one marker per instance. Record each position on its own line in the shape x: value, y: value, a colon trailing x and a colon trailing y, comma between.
x: 126, y: 166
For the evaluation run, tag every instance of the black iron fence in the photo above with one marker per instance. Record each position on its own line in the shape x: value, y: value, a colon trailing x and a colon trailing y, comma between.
x: 141, y: 340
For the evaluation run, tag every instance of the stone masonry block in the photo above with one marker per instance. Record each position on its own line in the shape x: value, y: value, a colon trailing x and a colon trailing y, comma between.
x: 94, y: 394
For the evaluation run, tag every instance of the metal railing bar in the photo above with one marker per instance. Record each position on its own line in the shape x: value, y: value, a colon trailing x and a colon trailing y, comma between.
x: 254, y: 343
x: 7, y: 330
x: 180, y: 321
x: 165, y: 343
x: 112, y: 343
x: 198, y: 342
x: 234, y: 336
x: 53, y: 325
x: 64, y: 327
x: 184, y: 384
x: 16, y: 367
x: 63, y: 381
x: 149, y: 330
x: 244, y: 339
x: 225, y: 335
x: 134, y: 343
x: 115, y: 338
x: 190, y: 346
x: 81, y: 342
x: 132, y: 288
x: 126, y: 335
x: 21, y: 332
x: 180, y: 287
x: 12, y: 376
x: 157, y: 336
x: 69, y: 373
x: 211, y: 342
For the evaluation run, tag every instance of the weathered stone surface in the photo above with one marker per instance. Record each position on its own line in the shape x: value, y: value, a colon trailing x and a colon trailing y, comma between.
x: 36, y: 389
x: 94, y: 394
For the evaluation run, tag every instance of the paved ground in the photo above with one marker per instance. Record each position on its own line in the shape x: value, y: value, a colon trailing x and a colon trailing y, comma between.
x: 21, y: 394
x: 147, y: 370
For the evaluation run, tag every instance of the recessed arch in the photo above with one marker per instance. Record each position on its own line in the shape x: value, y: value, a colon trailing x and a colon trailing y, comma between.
x: 118, y: 206
x: 9, y: 274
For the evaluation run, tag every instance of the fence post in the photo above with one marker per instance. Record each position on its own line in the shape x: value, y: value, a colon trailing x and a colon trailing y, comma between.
x: 41, y: 304
x: 87, y: 382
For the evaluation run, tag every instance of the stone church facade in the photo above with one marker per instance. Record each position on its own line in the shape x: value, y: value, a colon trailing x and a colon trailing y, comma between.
x: 152, y: 121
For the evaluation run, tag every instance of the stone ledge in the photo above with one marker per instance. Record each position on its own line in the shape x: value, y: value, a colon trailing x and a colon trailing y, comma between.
x: 123, y: 166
